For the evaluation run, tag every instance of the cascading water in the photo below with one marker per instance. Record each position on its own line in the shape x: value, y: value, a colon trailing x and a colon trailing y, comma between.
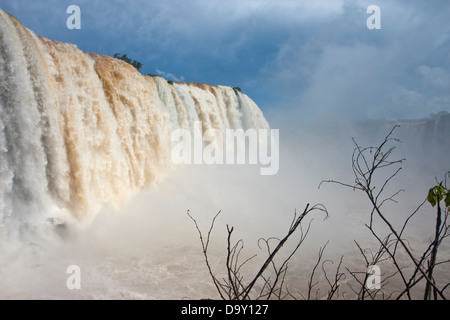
x: 423, y: 142
x: 80, y: 130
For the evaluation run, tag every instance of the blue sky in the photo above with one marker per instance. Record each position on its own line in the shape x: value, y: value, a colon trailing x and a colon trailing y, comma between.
x: 300, y: 58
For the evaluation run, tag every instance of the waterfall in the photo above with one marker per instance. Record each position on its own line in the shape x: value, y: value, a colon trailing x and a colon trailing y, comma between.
x: 424, y: 143
x: 79, y: 131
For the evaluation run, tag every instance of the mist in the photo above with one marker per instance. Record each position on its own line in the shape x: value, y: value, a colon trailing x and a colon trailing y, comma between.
x: 149, y: 248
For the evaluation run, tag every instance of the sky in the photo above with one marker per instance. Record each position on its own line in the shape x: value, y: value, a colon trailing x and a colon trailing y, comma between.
x: 301, y: 58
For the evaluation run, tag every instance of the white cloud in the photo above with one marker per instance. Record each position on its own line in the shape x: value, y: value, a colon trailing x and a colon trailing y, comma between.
x: 169, y: 76
x: 341, y: 69
x: 435, y: 77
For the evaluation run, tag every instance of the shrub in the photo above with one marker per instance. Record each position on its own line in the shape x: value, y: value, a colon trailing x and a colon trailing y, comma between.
x: 125, y: 58
x: 412, y: 269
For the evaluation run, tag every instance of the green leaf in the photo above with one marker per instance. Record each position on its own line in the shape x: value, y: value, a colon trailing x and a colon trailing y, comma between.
x: 436, y: 194
x: 432, y: 197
